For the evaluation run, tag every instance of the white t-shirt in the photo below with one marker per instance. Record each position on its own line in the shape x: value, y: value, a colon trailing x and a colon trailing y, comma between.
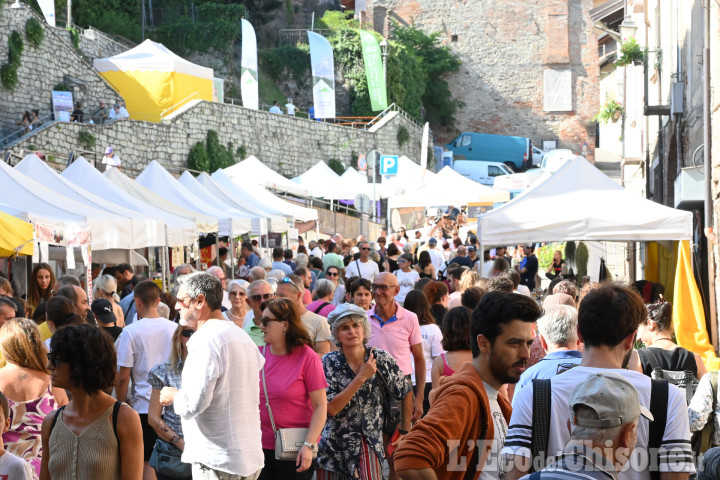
x: 219, y: 401
x: 487, y: 268
x: 290, y: 108
x: 523, y: 290
x: 142, y: 345
x: 432, y: 348
x: 367, y: 269
x: 113, y: 161
x: 677, y: 430
x: 406, y: 282
x: 14, y: 468
x: 317, y: 326
x: 437, y: 258
x: 493, y: 466
x: 316, y: 252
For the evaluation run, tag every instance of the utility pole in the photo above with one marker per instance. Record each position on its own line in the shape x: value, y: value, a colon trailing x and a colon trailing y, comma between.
x: 69, y: 14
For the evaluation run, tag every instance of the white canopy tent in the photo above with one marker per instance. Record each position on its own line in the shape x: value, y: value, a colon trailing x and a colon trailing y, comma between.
x: 448, y: 187
x: 252, y: 171
x: 146, y: 231
x: 57, y: 220
x: 410, y: 176
x: 25, y: 194
x: 322, y: 182
x: 227, y: 221
x: 579, y: 202
x: 234, y: 195
x: 205, y: 224
x: 180, y: 231
x: 258, y: 225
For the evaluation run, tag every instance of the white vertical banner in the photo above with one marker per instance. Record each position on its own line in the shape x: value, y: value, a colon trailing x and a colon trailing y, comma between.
x: 48, y: 9
x: 248, y: 67
x: 323, y: 72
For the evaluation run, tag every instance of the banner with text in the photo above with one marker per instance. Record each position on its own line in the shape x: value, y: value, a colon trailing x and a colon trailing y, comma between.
x: 248, y: 67
x: 374, y: 70
x: 48, y: 10
x: 323, y: 72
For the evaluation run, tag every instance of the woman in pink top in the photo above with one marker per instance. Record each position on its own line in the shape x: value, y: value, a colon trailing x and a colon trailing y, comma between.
x: 456, y: 342
x: 295, y: 383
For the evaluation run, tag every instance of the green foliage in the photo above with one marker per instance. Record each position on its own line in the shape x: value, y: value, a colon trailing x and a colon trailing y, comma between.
x: 609, y: 111
x: 209, y: 26
x: 437, y: 61
x: 8, y: 76
x: 86, y: 139
x: 570, y: 250
x: 74, y: 36
x: 289, y: 13
x: 288, y: 61
x: 582, y: 257
x: 336, y: 166
x: 212, y: 155
x: 15, y: 47
x: 268, y: 90
x: 337, y: 20
x: 62, y: 87
x: 241, y: 152
x: 198, y: 158
x: 402, y: 136
x: 631, y: 52
x: 34, y: 31
x: 545, y: 255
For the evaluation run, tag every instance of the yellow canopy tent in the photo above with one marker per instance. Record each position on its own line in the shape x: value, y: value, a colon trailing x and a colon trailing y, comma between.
x: 15, y: 236
x: 154, y: 81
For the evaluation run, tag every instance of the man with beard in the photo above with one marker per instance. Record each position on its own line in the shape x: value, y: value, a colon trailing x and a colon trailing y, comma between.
x: 462, y: 434
x: 219, y: 398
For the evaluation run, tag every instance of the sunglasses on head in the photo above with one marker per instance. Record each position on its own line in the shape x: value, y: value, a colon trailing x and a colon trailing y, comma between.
x: 187, y: 333
x: 289, y: 281
x: 264, y: 296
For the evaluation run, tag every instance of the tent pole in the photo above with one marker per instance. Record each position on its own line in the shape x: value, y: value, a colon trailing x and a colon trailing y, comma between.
x: 217, y: 249
x: 164, y: 262
x: 267, y: 239
x: 232, y: 258
x: 197, y: 254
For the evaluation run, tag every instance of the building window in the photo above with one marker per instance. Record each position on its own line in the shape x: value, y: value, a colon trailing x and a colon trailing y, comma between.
x: 453, y: 38
x: 557, y: 90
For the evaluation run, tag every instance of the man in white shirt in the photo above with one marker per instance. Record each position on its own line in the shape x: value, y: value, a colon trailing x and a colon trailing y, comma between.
x: 290, y: 107
x: 608, y: 320
x: 142, y: 345
x: 111, y: 160
x: 219, y: 398
x: 315, y: 250
x: 436, y: 256
x: 362, y: 267
x: 292, y: 287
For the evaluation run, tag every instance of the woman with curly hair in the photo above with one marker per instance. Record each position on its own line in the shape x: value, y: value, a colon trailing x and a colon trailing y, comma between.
x: 292, y: 389
x: 40, y: 285
x: 93, y: 436
x: 25, y: 381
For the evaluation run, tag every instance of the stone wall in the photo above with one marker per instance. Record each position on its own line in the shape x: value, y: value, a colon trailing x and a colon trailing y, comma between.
x: 42, y: 68
x: 287, y: 144
x: 505, y: 46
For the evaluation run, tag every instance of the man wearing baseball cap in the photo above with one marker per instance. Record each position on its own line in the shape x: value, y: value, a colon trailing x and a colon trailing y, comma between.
x: 436, y: 256
x: 604, y: 414
x: 111, y: 159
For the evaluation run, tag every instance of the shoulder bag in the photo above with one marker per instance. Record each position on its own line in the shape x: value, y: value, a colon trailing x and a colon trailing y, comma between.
x: 288, y: 441
x: 392, y: 407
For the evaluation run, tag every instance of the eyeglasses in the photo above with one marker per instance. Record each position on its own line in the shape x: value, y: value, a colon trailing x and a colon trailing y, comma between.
x: 332, y: 274
x: 187, y: 333
x: 288, y: 280
x: 237, y: 294
x: 185, y: 301
x: 364, y: 248
x: 383, y: 288
x: 264, y: 296
x: 265, y: 320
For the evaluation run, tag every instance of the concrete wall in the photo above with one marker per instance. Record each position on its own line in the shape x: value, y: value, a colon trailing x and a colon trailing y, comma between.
x: 287, y: 144
x: 42, y: 68
x: 505, y: 46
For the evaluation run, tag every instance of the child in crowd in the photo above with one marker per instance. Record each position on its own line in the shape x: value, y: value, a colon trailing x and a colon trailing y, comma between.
x: 11, y: 466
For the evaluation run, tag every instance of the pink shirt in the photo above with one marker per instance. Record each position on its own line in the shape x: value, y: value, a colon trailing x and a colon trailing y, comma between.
x: 325, y: 311
x: 396, y: 336
x: 289, y: 379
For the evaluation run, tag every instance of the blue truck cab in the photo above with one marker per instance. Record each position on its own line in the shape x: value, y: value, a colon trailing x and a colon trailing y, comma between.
x: 485, y: 147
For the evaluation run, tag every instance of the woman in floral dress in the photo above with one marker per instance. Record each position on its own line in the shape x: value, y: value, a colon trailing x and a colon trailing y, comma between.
x: 351, y: 445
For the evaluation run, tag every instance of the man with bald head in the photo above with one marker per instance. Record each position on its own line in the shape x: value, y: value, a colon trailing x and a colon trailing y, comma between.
x: 258, y: 292
x: 462, y: 258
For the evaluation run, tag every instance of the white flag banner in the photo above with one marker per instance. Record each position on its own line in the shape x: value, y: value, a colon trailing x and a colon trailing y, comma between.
x: 48, y: 9
x: 248, y: 67
x: 323, y: 72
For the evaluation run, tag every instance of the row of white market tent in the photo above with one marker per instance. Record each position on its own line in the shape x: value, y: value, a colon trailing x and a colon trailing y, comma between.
x: 109, y: 215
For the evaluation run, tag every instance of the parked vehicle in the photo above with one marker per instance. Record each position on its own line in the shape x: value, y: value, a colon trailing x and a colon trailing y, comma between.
x: 537, y: 156
x: 554, y: 159
x: 485, y: 147
x: 481, y: 172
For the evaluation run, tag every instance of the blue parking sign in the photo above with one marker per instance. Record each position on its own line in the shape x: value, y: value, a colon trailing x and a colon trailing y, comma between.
x: 388, y: 164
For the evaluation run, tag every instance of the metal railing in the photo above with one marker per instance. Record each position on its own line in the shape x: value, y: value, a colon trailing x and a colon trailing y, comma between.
x: 392, y: 108
x: 23, y: 131
x: 298, y: 36
x: 127, y: 44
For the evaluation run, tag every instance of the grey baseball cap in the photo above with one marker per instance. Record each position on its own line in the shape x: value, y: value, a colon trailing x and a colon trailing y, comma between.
x: 612, y: 397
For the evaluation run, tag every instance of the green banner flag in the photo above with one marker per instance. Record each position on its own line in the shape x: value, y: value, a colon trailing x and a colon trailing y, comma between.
x: 374, y: 71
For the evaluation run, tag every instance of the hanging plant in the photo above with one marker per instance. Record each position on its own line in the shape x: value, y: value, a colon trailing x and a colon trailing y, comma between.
x: 610, y: 111
x: 34, y: 31
x: 582, y: 257
x: 570, y: 252
x: 631, y: 52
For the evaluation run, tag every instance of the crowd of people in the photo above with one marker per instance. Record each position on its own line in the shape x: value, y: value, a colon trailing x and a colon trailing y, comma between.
x: 349, y: 359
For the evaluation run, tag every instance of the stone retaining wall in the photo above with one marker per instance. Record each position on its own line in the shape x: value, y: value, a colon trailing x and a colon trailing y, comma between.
x: 287, y: 144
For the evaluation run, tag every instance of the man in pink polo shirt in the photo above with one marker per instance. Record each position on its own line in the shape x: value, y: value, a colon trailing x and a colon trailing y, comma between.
x: 397, y: 331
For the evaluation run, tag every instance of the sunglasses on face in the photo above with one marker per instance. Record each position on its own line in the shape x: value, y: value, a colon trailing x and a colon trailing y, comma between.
x: 264, y: 296
x: 265, y: 320
x: 332, y: 274
x: 364, y: 248
x: 382, y: 288
x: 187, y: 333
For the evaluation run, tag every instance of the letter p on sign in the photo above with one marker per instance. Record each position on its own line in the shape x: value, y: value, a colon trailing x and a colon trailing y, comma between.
x: 388, y: 165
